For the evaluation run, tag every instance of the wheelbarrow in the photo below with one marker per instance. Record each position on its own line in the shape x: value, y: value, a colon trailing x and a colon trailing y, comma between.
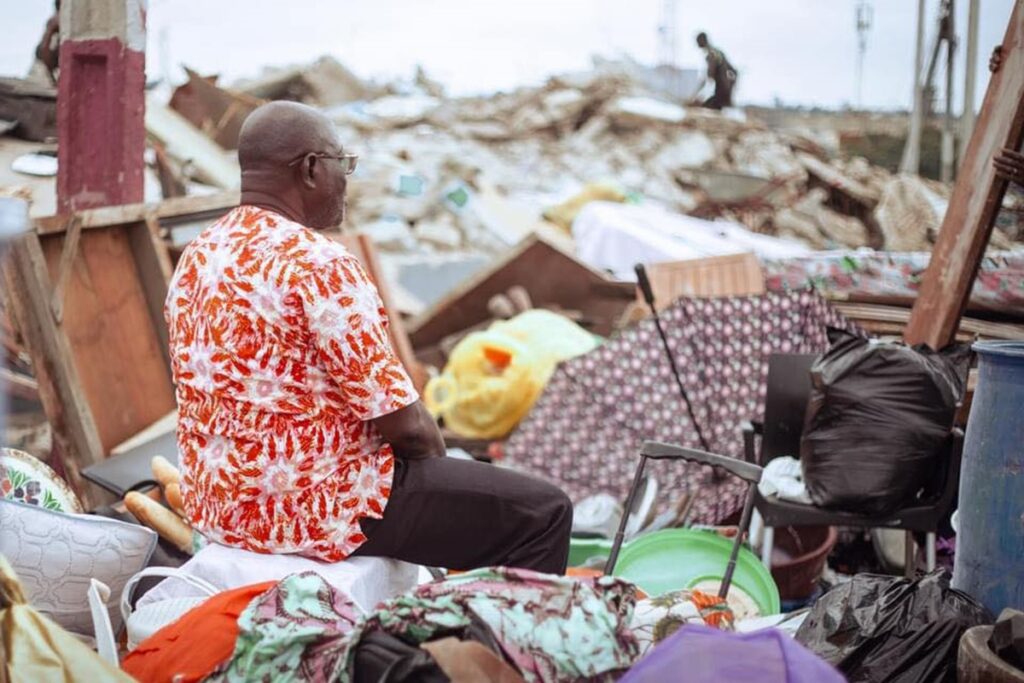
x: 654, y: 450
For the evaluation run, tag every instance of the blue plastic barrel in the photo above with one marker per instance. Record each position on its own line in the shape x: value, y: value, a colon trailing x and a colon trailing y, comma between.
x: 990, y: 544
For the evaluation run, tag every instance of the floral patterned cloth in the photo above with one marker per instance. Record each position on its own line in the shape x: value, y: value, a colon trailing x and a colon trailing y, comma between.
x: 298, y: 630
x: 280, y: 354
x: 867, y: 273
x: 586, y: 430
x: 657, y: 618
x: 550, y: 628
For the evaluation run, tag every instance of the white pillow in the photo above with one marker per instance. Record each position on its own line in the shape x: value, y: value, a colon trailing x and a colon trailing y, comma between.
x: 56, y: 554
x: 367, y: 580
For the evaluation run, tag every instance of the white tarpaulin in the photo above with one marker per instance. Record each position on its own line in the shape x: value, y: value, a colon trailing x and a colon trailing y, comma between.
x: 615, y: 237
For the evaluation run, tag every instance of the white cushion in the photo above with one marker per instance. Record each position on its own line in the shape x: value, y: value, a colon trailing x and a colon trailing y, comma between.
x: 55, y: 555
x: 367, y: 580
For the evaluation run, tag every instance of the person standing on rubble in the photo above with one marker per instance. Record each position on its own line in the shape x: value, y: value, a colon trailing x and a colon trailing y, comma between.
x: 720, y: 71
x: 298, y: 428
x: 48, y: 50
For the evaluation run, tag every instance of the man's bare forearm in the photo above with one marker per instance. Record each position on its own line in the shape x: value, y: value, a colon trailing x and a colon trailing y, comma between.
x: 412, y: 433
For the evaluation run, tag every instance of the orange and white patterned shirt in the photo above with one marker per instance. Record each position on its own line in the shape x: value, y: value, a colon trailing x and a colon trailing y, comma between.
x: 281, y: 356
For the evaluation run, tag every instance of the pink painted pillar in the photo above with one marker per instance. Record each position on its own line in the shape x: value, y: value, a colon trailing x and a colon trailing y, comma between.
x: 101, y: 103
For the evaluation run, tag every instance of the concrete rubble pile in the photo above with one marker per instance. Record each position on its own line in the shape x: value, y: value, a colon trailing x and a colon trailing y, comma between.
x: 427, y: 160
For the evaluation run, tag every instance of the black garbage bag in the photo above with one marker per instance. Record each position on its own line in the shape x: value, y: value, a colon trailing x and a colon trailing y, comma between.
x: 877, y: 421
x: 882, y: 628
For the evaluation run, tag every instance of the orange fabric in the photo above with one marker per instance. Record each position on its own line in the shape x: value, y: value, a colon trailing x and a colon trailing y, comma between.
x: 281, y: 358
x: 190, y: 648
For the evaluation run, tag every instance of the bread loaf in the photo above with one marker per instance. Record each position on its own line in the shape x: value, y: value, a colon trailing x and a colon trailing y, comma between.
x: 161, y: 520
x: 164, y: 472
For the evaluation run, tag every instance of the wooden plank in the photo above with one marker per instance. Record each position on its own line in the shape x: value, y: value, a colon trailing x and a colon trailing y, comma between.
x: 17, y: 385
x: 115, y: 345
x: 28, y: 290
x: 67, y: 259
x: 894, y: 319
x: 171, y: 210
x: 153, y: 268
x: 551, y: 276
x: 216, y: 111
x: 976, y: 199
x: 165, y: 425
x: 714, y: 276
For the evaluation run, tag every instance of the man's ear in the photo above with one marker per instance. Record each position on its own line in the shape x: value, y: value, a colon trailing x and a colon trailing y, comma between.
x: 307, y: 168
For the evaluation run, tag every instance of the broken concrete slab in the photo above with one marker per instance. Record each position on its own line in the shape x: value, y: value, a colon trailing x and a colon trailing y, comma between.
x: 32, y: 105
x: 188, y: 145
x: 907, y: 214
x: 324, y: 83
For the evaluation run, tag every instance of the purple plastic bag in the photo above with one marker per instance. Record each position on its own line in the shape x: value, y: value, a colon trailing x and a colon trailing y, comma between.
x: 708, y: 655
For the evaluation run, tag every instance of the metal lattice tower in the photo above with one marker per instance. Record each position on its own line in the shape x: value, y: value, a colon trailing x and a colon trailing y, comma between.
x: 865, y: 15
x: 667, y: 32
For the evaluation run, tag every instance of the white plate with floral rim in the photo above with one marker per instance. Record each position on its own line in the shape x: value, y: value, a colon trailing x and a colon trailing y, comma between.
x: 26, y: 479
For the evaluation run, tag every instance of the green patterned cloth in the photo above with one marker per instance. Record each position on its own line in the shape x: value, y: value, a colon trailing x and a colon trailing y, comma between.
x: 550, y: 628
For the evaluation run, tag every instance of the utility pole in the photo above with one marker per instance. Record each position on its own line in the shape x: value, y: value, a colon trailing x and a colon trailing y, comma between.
x: 948, y: 32
x: 924, y: 95
x: 911, y: 162
x: 970, y: 74
x: 101, y: 103
x: 865, y: 15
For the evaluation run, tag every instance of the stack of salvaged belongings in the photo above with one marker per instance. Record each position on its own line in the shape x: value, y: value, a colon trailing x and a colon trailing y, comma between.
x: 489, y: 624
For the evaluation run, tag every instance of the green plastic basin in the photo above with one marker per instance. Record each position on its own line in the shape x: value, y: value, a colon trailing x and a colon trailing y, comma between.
x: 582, y: 549
x: 676, y: 559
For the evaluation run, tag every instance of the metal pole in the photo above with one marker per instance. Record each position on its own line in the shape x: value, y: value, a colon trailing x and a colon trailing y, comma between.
x: 948, y: 124
x: 648, y: 293
x: 970, y: 73
x: 748, y: 510
x: 911, y: 161
x: 620, y: 535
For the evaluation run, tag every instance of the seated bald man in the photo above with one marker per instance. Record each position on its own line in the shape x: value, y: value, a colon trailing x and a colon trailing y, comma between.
x: 299, y: 430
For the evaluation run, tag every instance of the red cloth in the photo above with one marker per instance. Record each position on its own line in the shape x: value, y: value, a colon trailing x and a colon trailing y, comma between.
x: 190, y: 648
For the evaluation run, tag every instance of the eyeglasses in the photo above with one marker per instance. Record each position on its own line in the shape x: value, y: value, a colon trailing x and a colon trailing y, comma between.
x: 348, y: 161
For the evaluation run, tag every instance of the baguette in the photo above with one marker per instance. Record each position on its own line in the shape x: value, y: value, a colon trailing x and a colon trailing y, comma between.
x: 164, y: 472
x: 168, y: 525
x: 172, y: 492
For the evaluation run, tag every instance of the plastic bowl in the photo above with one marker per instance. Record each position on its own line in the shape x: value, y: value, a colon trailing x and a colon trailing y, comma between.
x: 675, y: 559
x: 583, y: 549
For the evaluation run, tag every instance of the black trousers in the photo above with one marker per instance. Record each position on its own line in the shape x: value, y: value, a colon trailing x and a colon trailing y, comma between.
x: 722, y: 97
x: 458, y: 514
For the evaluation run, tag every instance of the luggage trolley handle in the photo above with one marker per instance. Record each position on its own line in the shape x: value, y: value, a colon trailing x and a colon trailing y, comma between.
x: 656, y: 450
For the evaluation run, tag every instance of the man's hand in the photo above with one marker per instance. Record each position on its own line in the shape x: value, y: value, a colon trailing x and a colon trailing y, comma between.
x: 412, y: 433
x: 1010, y: 166
x: 996, y: 60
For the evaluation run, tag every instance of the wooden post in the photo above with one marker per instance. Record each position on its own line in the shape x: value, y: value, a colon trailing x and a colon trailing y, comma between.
x: 976, y: 200
x: 29, y: 295
x: 101, y: 103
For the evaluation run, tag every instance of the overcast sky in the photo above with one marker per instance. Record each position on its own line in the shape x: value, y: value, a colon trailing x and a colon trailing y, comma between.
x: 800, y: 51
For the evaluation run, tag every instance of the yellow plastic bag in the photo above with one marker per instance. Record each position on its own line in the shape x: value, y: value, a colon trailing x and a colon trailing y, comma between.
x: 565, y: 213
x: 494, y: 377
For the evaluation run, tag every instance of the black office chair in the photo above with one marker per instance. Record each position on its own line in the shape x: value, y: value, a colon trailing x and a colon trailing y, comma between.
x: 789, y: 390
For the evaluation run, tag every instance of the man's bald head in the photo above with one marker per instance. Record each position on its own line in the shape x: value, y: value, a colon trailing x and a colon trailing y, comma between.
x: 284, y: 151
x: 279, y: 132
